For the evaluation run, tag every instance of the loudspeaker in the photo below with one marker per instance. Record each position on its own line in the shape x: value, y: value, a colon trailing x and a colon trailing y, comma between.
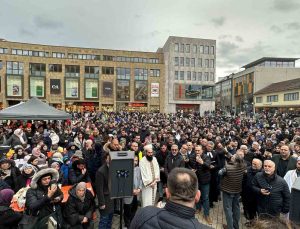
x: 121, y: 174
x: 294, y: 203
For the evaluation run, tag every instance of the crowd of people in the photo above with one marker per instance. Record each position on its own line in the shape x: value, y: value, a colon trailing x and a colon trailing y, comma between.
x: 252, y: 159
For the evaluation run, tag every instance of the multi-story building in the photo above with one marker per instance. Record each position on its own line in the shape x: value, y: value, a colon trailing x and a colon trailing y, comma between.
x: 282, y: 97
x: 223, y: 94
x: 190, y: 74
x: 257, y: 75
x: 74, y: 78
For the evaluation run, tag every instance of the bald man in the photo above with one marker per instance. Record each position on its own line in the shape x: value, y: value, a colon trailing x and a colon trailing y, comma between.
x: 273, y: 195
x: 248, y: 195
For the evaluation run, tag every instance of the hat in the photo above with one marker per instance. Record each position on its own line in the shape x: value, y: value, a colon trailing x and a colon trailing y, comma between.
x: 26, y: 166
x: 54, y: 164
x: 57, y: 155
x: 60, y: 149
x: 78, y: 153
x: 6, y: 196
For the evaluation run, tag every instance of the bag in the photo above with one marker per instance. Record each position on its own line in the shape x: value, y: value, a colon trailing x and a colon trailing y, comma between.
x: 28, y: 222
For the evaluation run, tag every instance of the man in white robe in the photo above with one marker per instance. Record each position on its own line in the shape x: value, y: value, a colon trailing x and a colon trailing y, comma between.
x: 150, y: 176
x: 291, y: 176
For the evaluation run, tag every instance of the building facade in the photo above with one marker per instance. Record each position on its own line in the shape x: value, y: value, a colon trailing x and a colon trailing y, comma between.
x: 282, y: 97
x: 80, y: 79
x: 190, y: 74
x: 257, y: 75
x: 224, y: 94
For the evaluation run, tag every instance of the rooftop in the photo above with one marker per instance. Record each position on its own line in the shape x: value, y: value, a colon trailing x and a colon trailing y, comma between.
x: 261, y: 60
x: 280, y: 86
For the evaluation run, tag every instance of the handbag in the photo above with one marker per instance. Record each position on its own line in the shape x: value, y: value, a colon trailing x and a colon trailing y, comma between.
x: 28, y: 222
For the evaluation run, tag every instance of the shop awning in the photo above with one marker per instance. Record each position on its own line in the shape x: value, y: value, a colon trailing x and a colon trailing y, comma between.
x: 33, y: 109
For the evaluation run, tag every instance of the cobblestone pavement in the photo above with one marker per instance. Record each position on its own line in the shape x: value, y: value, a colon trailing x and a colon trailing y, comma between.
x: 216, y: 214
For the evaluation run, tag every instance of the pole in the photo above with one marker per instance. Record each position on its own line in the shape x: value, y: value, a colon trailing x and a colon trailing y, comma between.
x: 121, y: 212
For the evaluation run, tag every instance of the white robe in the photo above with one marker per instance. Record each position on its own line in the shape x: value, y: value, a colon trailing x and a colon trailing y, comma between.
x: 290, y: 178
x: 149, y: 193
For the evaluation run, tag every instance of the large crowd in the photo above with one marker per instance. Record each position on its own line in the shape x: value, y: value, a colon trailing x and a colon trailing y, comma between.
x: 60, y: 169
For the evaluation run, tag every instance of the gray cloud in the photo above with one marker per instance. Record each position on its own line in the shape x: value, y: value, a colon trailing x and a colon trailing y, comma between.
x: 226, y: 47
x: 293, y: 26
x: 26, y: 32
x: 218, y: 21
x: 286, y: 5
x: 275, y: 29
x: 46, y: 23
x: 239, y: 39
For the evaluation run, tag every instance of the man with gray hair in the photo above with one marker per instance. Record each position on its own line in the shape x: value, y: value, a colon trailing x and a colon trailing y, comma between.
x: 173, y: 160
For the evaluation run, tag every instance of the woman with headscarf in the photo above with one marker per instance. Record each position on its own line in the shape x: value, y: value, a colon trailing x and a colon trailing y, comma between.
x: 41, y: 157
x: 80, y: 207
x: 9, y: 172
x: 24, y: 180
x: 33, y: 160
x: 17, y: 138
x: 8, y: 218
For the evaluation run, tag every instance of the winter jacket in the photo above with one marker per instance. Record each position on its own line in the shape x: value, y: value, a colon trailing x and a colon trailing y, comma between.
x: 8, y: 218
x: 171, y: 216
x: 173, y: 162
x: 75, y: 175
x: 279, y: 199
x: 202, y: 171
x: 14, y: 140
x: 291, y: 164
x: 75, y: 209
x: 14, y: 173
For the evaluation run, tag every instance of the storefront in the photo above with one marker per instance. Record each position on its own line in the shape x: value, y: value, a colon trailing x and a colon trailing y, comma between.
x: 140, y: 107
x: 107, y: 107
x: 82, y: 106
x: 187, y: 107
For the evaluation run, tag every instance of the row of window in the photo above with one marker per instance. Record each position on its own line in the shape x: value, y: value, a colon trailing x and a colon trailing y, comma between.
x: 274, y: 98
x: 187, y: 48
x: 190, y: 62
x: 278, y: 64
x: 194, y: 76
x: 60, y: 55
x: 39, y: 69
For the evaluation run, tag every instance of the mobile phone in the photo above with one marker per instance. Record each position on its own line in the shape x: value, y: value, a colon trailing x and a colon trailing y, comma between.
x: 268, y: 189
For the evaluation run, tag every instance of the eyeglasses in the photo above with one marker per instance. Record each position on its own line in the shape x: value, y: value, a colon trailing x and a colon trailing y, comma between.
x: 174, y: 149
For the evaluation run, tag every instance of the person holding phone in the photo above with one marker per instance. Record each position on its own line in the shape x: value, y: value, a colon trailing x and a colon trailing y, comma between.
x: 78, y: 172
x: 273, y: 195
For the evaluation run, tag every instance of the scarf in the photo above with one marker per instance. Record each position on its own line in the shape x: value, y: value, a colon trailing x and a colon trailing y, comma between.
x: 19, y: 133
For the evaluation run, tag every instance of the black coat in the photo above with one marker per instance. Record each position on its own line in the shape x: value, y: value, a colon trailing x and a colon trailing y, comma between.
x: 171, y: 216
x: 279, y: 199
x: 75, y: 175
x: 21, y: 181
x: 8, y: 218
x: 202, y: 171
x: 12, y: 179
x: 173, y: 162
x: 75, y: 210
x: 102, y: 190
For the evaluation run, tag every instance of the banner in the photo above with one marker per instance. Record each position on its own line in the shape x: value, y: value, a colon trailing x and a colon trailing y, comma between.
x: 55, y: 86
x: 154, y: 89
x: 14, y: 85
x: 107, y: 89
x: 91, y: 88
x: 37, y: 85
x: 72, y: 88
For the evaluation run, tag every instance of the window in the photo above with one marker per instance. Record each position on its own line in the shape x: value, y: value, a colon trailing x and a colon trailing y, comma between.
x: 259, y: 99
x: 206, y: 50
x: 140, y: 74
x: 291, y: 96
x: 14, y: 68
x: 212, y: 63
x: 176, y: 75
x: 37, y: 86
x: 72, y: 70
x: 108, y: 58
x: 200, y: 62
x: 153, y: 60
x: 107, y: 70
x: 58, y: 55
x: 187, y: 61
x: 187, y: 48
x: 155, y: 72
x: 37, y: 69
x: 188, y: 76
x: 206, y: 63
x: 176, y: 47
x: 206, y: 76
x: 272, y: 98
x: 1, y: 66
x: 194, y: 76
x: 181, y: 75
x: 91, y: 72
x: 141, y: 90
x: 3, y: 50
x: 14, y: 85
x: 199, y: 76
x: 194, y: 48
x: 181, y: 47
x: 207, y: 92
x: 72, y: 88
x: 212, y: 50
x: 55, y: 68
x: 123, y: 73
x: 91, y: 88
x: 201, y: 49
x: 176, y: 61
x: 192, y: 62
x: 181, y: 61
x: 212, y: 76
x: 123, y: 90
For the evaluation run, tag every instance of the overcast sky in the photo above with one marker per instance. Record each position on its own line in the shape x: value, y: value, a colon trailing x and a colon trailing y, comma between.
x: 245, y: 30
